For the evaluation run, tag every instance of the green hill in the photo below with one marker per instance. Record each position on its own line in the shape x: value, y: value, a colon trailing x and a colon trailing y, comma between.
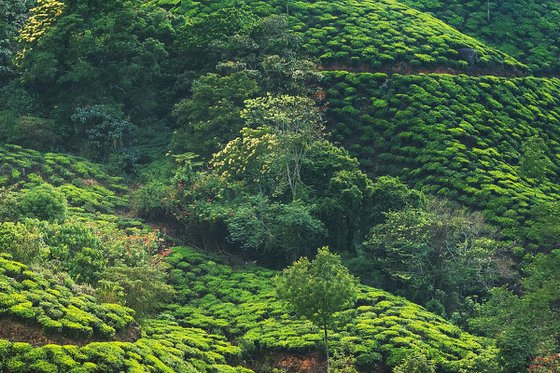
x: 220, y: 317
x: 380, y: 331
x: 87, y: 186
x: 455, y: 136
x: 527, y: 30
x: 46, y: 312
x: 225, y: 134
x: 372, y: 35
x: 165, y: 348
x: 237, y: 303
x: 34, y: 300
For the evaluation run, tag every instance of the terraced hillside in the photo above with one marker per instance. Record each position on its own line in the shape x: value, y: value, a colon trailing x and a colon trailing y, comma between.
x: 86, y: 285
x: 220, y: 318
x: 525, y: 29
x: 52, y: 321
x: 87, y: 186
x: 64, y: 316
x: 461, y: 137
x: 238, y: 303
x: 379, y: 331
x: 47, y: 326
x: 372, y: 35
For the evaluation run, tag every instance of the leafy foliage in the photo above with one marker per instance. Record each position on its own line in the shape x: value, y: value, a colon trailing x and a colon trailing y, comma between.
x: 12, y: 16
x: 44, y: 203
x: 453, y: 136
x: 318, y: 289
x: 50, y: 302
x: 359, y: 33
x: 525, y: 324
x: 435, y: 256
x: 250, y: 188
x: 144, y: 287
x: 164, y: 348
x: 103, y: 128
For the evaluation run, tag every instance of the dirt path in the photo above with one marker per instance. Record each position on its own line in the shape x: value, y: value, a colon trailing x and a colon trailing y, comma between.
x: 404, y: 68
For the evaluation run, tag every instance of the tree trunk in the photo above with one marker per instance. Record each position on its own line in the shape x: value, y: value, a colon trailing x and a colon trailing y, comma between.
x: 327, y: 347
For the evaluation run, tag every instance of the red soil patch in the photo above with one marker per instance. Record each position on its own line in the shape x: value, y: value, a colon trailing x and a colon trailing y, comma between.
x: 309, y: 363
x: 15, y: 330
x: 404, y: 68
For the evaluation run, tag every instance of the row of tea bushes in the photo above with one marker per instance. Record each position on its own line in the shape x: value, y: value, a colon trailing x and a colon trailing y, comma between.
x: 51, y: 303
x: 525, y: 29
x: 164, y: 348
x: 87, y: 186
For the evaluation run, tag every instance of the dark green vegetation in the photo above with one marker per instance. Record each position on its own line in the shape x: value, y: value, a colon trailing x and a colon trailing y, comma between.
x: 526, y: 30
x: 160, y: 161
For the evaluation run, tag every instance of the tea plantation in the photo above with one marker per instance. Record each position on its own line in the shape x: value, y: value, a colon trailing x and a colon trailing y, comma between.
x: 380, y: 331
x: 460, y: 137
x: 525, y: 30
x: 371, y: 35
x: 241, y: 186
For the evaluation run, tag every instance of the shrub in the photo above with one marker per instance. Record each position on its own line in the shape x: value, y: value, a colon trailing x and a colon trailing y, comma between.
x: 415, y: 363
x: 44, y: 203
x: 144, y: 287
x: 24, y: 242
x: 150, y: 199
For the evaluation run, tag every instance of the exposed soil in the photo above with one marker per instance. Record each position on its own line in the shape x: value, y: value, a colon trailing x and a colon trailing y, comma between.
x: 312, y: 362
x: 15, y: 330
x: 404, y: 68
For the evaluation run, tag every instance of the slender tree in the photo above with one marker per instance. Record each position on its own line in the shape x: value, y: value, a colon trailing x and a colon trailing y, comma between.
x: 318, y: 289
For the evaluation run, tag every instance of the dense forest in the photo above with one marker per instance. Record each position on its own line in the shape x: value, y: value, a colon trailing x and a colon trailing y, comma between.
x: 280, y: 186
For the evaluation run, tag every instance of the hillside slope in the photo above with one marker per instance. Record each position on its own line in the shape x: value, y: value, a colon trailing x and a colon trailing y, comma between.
x: 372, y: 35
x: 43, y: 323
x: 380, y: 331
x: 400, y: 106
x: 220, y: 318
x: 459, y: 137
x: 527, y: 29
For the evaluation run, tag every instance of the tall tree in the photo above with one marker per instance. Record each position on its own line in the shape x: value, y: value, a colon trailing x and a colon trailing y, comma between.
x: 318, y: 289
x: 12, y: 17
x: 436, y: 256
x: 296, y: 122
x: 526, y: 324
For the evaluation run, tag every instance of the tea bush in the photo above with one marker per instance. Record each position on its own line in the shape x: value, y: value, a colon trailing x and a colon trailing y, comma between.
x: 164, y: 348
x: 526, y: 30
x: 86, y: 186
x: 50, y: 302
